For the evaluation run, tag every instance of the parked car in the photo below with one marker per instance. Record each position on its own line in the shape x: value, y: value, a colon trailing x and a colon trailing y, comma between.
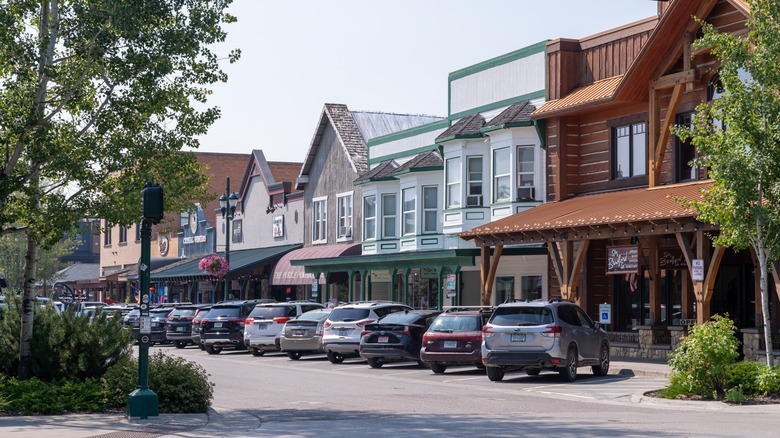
x: 263, y: 326
x: 303, y: 335
x: 179, y: 324
x: 543, y: 335
x: 79, y: 306
x: 455, y: 338
x: 223, y: 326
x: 196, y: 325
x: 396, y: 337
x: 158, y: 320
x: 130, y: 320
x: 343, y: 328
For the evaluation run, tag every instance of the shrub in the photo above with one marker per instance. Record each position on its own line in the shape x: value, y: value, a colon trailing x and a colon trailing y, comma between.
x: 35, y: 397
x: 703, y: 357
x: 735, y: 395
x: 769, y: 380
x: 745, y: 376
x: 63, y: 345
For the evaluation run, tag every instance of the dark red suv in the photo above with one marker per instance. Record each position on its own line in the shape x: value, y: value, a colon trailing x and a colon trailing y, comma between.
x: 455, y: 338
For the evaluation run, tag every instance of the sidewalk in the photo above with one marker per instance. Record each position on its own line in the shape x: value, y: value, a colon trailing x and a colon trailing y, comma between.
x: 216, y: 423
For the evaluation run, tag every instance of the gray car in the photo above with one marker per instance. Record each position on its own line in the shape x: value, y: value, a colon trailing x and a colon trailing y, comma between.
x: 543, y: 335
x: 303, y: 335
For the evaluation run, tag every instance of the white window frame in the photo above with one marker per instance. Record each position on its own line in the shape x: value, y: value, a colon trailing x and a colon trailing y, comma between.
x: 453, y: 175
x: 390, y: 232
x: 408, y: 211
x: 507, y: 175
x: 369, y: 219
x: 319, y: 220
x: 428, y: 211
x: 472, y: 181
x: 345, y: 216
x: 521, y: 173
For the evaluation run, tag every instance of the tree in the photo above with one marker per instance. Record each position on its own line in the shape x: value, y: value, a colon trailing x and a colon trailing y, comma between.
x: 12, y: 251
x: 737, y: 138
x: 98, y: 97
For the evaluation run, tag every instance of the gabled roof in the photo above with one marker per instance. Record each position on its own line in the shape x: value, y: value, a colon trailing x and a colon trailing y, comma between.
x: 382, y: 172
x: 78, y: 272
x: 423, y: 162
x: 467, y: 127
x: 272, y: 173
x: 517, y: 114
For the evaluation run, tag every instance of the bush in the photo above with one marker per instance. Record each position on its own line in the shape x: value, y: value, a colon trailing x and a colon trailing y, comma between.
x: 744, y: 375
x: 34, y: 396
x: 63, y: 345
x: 181, y: 386
x: 701, y: 361
x: 769, y: 380
x: 735, y: 395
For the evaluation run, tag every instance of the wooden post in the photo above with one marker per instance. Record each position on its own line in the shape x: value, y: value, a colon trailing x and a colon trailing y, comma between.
x: 655, y: 280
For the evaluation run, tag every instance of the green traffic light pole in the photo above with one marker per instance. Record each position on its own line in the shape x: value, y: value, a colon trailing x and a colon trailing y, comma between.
x: 142, y: 403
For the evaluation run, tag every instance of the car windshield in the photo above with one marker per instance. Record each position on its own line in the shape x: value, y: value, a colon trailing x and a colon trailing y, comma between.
x: 315, y: 315
x: 159, y: 313
x: 134, y: 312
x: 183, y: 312
x: 227, y: 311
x: 348, y: 314
x: 271, y: 312
x: 522, y: 316
x: 460, y: 323
x: 402, y: 317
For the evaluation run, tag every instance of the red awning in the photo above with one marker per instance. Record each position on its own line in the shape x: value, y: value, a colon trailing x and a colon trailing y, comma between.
x: 286, y: 274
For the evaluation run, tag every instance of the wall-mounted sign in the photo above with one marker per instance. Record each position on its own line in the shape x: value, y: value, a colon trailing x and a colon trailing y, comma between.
x: 194, y: 223
x: 622, y: 259
x: 381, y: 276
x: 237, y: 230
x: 605, y: 313
x: 428, y: 273
x: 162, y: 245
x: 697, y: 270
x: 451, y: 278
x: 278, y: 226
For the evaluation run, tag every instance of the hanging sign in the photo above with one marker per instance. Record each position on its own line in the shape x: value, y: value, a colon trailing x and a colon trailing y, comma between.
x: 622, y: 259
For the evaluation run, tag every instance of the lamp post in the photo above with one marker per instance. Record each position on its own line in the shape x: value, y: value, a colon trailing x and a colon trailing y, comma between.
x: 227, y: 205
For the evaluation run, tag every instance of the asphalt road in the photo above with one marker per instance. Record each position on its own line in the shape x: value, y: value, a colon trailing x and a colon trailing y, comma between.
x: 275, y: 396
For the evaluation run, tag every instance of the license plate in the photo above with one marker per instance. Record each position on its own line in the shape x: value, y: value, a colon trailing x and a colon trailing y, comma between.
x: 217, y: 325
x: 450, y: 344
x: 518, y: 337
x: 383, y: 339
x: 343, y: 332
x: 261, y: 325
x: 299, y: 332
x: 180, y: 329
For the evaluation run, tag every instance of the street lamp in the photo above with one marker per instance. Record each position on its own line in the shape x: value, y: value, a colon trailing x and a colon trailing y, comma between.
x: 227, y: 205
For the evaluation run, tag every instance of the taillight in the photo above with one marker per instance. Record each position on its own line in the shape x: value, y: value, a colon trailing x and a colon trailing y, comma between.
x: 552, y: 330
x: 364, y: 332
x: 487, y: 330
x: 249, y: 321
x: 425, y: 337
x: 327, y: 324
x: 188, y: 318
x: 363, y: 323
x: 319, y: 330
x: 204, y: 321
x: 407, y: 332
x: 236, y: 321
x: 170, y: 318
x: 281, y: 319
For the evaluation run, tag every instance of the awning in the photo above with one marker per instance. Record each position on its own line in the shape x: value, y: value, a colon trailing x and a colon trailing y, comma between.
x: 285, y: 273
x: 240, y: 260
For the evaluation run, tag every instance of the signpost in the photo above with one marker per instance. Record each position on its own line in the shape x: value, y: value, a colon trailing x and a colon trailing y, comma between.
x: 605, y: 313
x: 142, y: 403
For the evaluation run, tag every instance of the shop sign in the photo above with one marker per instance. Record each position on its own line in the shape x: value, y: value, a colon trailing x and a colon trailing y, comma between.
x: 278, y: 226
x: 380, y: 276
x: 451, y: 279
x: 622, y: 259
x: 428, y: 273
x: 671, y: 259
x: 238, y: 231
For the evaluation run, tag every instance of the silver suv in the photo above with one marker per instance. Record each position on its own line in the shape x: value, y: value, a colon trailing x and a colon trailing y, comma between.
x: 537, y: 335
x: 263, y: 326
x: 344, y: 326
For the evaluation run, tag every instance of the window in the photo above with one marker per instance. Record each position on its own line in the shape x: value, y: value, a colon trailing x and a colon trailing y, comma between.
x: 453, y: 182
x: 685, y: 153
x: 319, y: 220
x: 430, y: 209
x: 630, y: 150
x: 531, y: 287
x: 501, y: 180
x: 107, y: 233
x: 137, y: 232
x: 408, y: 201
x: 344, y: 201
x: 525, y: 166
x: 369, y: 217
x: 122, y: 234
x: 389, y: 216
x: 474, y: 176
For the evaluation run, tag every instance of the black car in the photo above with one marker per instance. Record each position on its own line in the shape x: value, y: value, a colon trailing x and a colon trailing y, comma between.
x: 158, y: 318
x: 196, y: 324
x: 223, y: 326
x: 179, y: 324
x: 396, y: 337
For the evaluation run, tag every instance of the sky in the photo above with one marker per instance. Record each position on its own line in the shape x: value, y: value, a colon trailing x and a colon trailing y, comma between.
x: 372, y: 55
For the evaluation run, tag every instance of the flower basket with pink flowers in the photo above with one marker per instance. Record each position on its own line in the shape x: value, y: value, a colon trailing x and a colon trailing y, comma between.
x: 214, y: 265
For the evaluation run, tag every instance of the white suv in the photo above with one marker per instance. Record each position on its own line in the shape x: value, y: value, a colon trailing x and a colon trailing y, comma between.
x: 263, y: 325
x: 344, y: 326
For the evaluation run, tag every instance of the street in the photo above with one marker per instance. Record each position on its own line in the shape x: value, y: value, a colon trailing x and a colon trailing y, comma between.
x: 275, y: 396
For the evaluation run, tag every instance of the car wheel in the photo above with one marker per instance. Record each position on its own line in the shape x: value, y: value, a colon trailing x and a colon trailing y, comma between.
x: 257, y: 352
x: 569, y: 372
x: 495, y: 374
x: 422, y: 364
x: 213, y: 350
x: 533, y: 371
x: 335, y: 358
x: 373, y: 362
x: 180, y: 344
x: 294, y: 355
x: 480, y: 365
x: 603, y: 367
x: 438, y: 368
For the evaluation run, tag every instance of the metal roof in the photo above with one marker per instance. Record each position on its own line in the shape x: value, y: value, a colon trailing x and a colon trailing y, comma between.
x: 597, y: 91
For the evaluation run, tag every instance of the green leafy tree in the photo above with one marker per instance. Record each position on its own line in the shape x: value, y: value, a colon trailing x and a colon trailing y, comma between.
x: 98, y: 97
x: 12, y: 251
x: 743, y: 157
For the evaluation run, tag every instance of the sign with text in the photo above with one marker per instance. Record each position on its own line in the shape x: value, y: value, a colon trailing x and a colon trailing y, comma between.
x: 672, y: 259
x: 605, y: 313
x: 622, y: 259
x: 697, y: 270
x: 278, y: 226
x: 451, y: 279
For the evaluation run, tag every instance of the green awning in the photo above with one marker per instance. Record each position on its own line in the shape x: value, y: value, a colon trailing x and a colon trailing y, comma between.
x: 240, y: 260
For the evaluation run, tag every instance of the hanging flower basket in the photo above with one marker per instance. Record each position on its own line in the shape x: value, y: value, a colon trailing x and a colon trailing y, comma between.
x: 214, y: 265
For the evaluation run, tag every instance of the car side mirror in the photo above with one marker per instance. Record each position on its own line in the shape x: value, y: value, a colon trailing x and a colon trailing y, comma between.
x: 596, y: 325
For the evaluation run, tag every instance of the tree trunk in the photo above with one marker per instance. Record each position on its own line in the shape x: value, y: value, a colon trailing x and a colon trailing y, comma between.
x: 762, y: 261
x: 28, y: 307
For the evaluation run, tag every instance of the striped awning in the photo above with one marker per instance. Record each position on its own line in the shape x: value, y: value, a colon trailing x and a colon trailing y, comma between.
x: 286, y: 274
